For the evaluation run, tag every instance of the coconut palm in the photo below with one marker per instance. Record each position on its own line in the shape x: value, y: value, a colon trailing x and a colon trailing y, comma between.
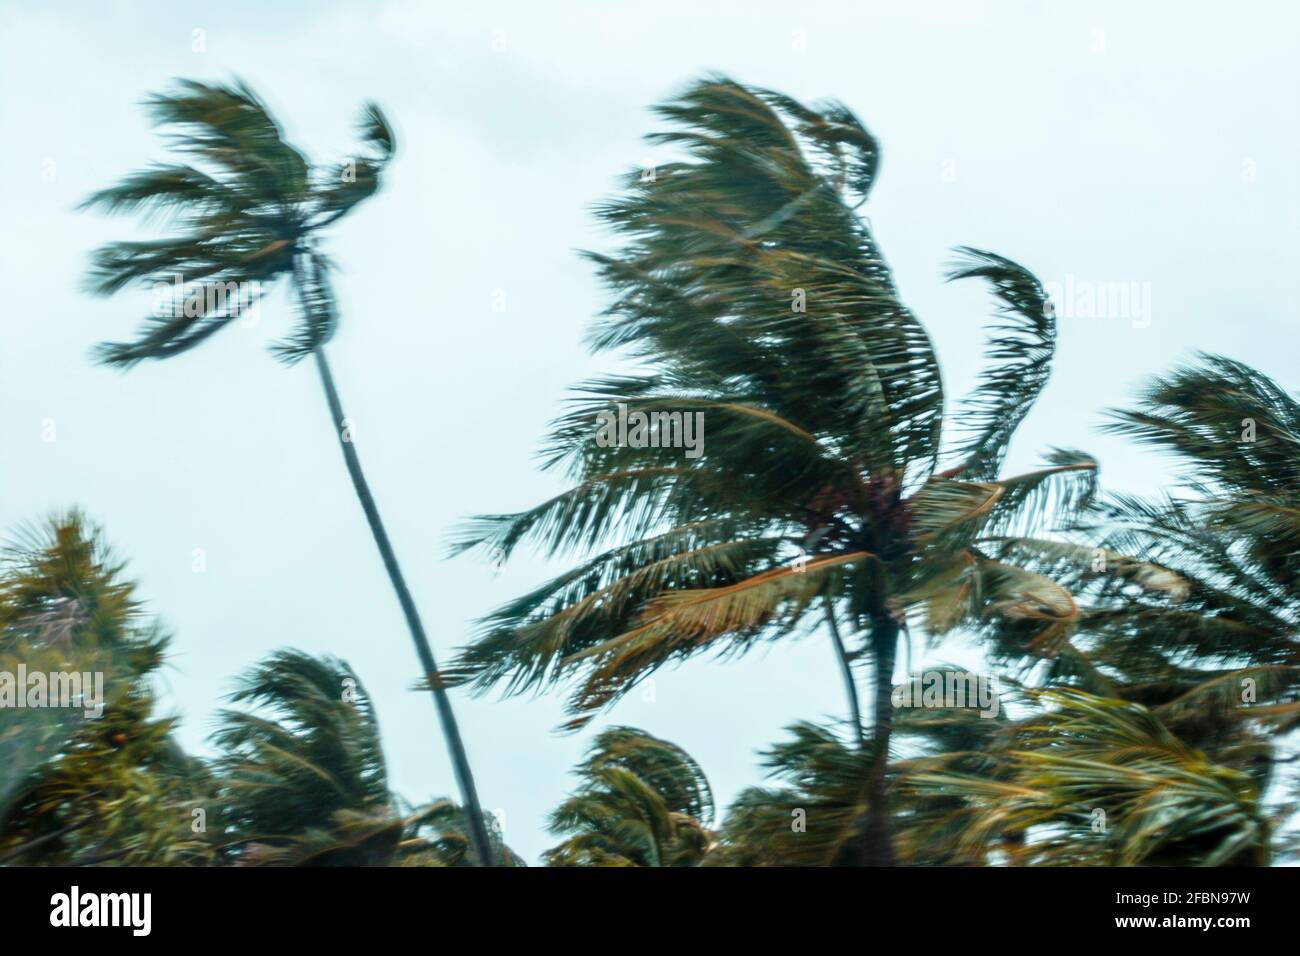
x: 1103, y: 782
x: 812, y: 816
x: 1230, y: 536
x: 753, y: 295
x: 303, y: 776
x: 249, y: 210
x: 642, y: 802
x: 1191, y: 602
x: 303, y: 781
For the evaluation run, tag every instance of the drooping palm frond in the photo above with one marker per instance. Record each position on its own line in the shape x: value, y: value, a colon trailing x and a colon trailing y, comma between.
x: 1190, y: 603
x: 1229, y: 426
x: 439, y: 835
x: 665, y: 767
x: 953, y: 739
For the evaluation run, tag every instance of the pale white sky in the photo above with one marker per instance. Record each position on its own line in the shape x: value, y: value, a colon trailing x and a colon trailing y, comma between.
x: 1101, y: 141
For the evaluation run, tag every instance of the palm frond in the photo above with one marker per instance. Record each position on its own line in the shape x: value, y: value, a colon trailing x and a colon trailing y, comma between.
x: 1022, y: 344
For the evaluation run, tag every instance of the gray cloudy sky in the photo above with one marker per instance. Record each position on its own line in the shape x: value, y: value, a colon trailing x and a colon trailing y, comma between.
x: 1095, y: 142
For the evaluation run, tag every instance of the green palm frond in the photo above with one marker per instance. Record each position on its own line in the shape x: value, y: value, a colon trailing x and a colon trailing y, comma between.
x: 816, y: 819
x: 1104, y: 782
x: 1022, y: 344
x: 247, y: 208
x: 315, y: 754
x: 642, y: 801
x: 1206, y: 413
x: 439, y: 835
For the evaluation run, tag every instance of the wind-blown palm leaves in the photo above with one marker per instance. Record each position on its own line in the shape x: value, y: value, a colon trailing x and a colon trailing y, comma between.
x: 248, y: 209
x: 1098, y: 781
x: 815, y: 817
x: 756, y: 296
x: 816, y: 820
x: 97, y: 778
x: 1232, y: 536
x: 642, y: 802
x: 307, y: 781
x: 439, y: 835
x: 303, y: 780
x: 1192, y: 602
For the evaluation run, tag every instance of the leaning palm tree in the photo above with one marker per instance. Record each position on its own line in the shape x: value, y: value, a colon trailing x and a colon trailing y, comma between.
x: 757, y: 302
x: 249, y: 210
x: 642, y: 802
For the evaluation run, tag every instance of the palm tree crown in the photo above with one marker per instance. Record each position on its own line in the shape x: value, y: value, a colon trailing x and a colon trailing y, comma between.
x: 250, y: 211
x: 755, y: 295
x: 249, y: 208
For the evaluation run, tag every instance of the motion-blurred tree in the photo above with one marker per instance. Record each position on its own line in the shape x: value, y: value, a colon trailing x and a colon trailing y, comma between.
x: 253, y: 211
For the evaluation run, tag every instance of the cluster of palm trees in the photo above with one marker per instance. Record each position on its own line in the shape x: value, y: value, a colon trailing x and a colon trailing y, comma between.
x: 1149, y: 646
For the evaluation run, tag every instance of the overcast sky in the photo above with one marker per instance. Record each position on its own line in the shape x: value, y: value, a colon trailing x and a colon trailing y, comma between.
x: 1154, y: 144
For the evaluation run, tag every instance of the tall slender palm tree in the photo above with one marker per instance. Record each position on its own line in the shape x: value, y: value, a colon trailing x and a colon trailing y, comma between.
x: 249, y: 210
x: 756, y: 299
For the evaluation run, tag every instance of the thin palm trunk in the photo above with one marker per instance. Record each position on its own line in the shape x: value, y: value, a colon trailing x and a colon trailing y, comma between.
x: 460, y: 762
x: 846, y: 670
x: 877, y: 833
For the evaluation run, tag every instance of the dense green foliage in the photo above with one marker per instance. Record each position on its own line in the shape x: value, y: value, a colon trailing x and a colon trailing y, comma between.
x: 1148, y: 651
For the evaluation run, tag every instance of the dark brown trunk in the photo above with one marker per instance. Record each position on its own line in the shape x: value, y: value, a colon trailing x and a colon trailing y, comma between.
x: 877, y: 833
x: 846, y: 671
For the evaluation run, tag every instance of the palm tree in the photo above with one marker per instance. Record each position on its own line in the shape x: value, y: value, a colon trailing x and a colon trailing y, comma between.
x: 250, y: 210
x: 811, y: 817
x: 813, y: 821
x: 306, y: 783
x: 303, y: 781
x: 754, y: 298
x: 439, y: 836
x: 1229, y: 537
x: 1191, y: 602
x: 642, y: 802
x: 1107, y: 784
